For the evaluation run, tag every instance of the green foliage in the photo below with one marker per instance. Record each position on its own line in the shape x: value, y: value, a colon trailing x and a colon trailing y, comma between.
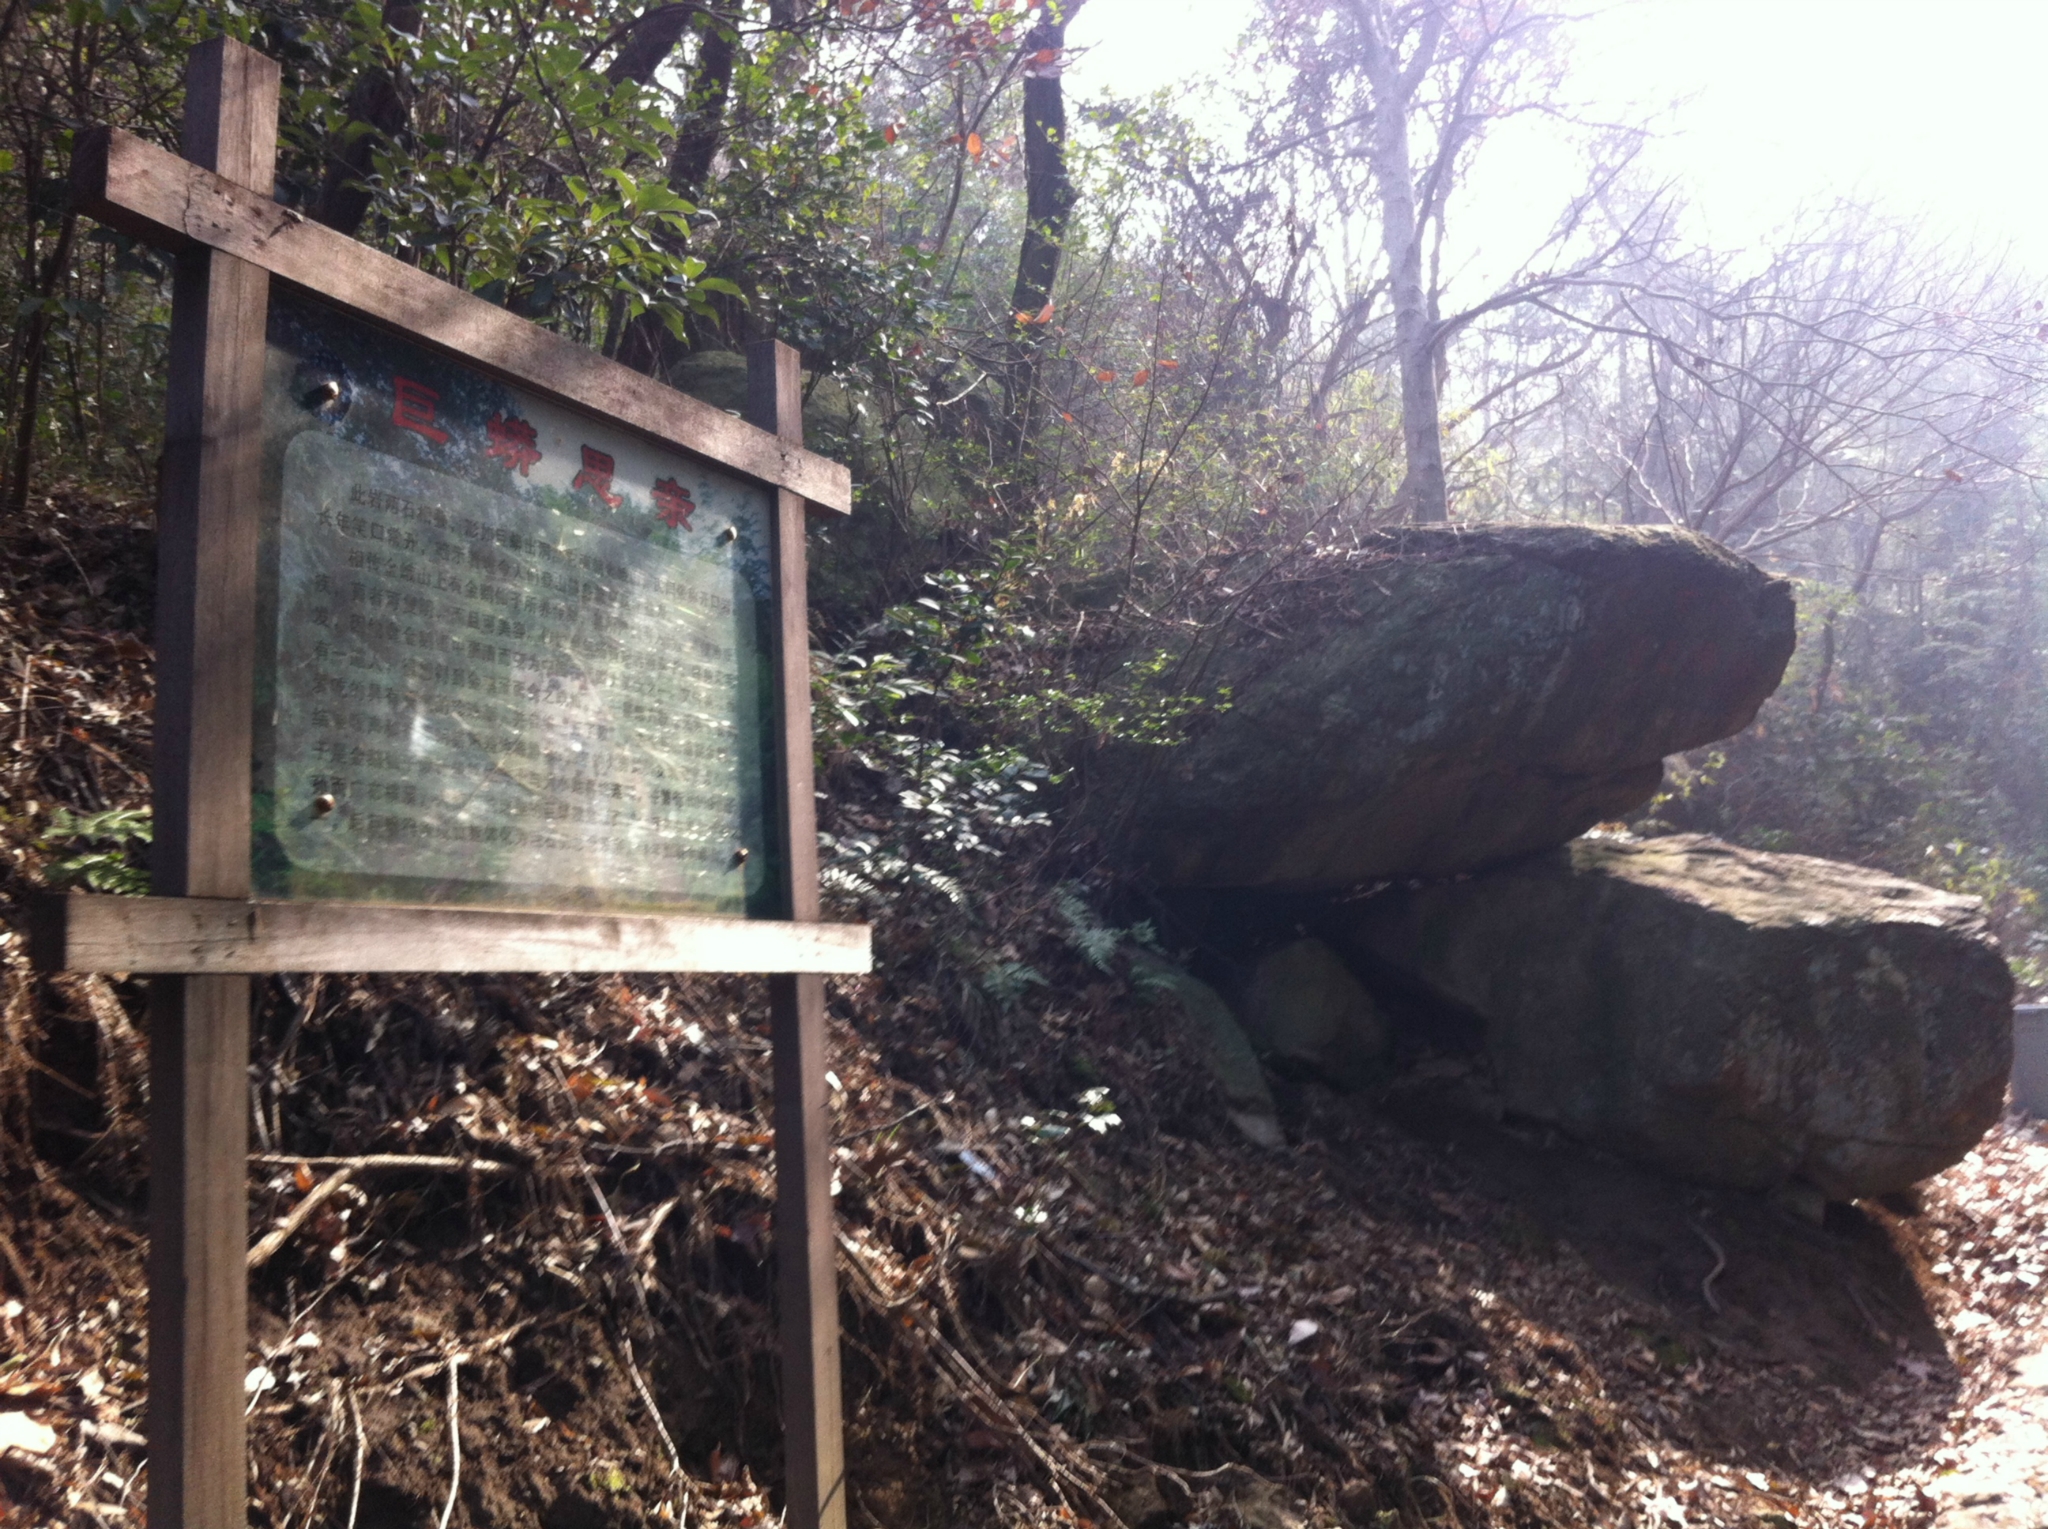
x: 525, y: 176
x: 972, y: 652
x: 1008, y: 981
x: 1089, y: 936
x: 789, y: 228
x: 98, y: 851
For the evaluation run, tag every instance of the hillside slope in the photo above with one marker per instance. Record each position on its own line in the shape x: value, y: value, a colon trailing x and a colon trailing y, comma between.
x: 1071, y: 1292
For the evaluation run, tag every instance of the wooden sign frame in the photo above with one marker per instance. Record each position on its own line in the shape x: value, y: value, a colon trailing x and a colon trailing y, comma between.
x: 203, y: 936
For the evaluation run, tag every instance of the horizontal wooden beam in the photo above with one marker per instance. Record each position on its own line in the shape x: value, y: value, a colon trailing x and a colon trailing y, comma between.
x: 162, y: 935
x: 154, y: 195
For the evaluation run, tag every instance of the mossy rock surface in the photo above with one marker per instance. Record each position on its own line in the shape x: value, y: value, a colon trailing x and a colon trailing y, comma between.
x: 1740, y: 1018
x: 1442, y: 699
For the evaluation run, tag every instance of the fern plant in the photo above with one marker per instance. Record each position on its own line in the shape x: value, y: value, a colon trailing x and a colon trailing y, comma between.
x: 104, y: 850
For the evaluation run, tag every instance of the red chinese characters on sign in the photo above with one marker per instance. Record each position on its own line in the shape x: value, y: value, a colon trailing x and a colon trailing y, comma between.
x: 674, y: 503
x: 514, y: 442
x: 412, y: 408
x: 596, y: 476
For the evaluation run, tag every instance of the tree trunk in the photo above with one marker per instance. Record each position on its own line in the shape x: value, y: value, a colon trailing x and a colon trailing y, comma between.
x: 379, y: 109
x: 1048, y: 202
x: 648, y: 42
x: 702, y: 128
x: 648, y: 345
x: 1424, y: 494
x: 34, y: 347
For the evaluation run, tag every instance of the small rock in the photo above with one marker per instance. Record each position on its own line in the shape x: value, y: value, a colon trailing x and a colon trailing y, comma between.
x: 1303, y: 1005
x: 1248, y: 1102
x: 1135, y: 1497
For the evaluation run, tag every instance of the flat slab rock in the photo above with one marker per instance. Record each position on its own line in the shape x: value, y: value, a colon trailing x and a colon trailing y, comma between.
x: 1447, y: 698
x: 1739, y: 1018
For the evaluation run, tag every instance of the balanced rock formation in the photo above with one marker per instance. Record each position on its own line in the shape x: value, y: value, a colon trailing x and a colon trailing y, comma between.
x: 1739, y: 1018
x: 1447, y: 698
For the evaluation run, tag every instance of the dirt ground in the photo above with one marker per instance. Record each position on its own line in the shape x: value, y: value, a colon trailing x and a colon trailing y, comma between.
x: 1412, y: 1314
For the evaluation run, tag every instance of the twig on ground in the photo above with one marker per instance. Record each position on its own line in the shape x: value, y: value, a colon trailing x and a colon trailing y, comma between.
x: 1863, y: 1307
x: 471, y: 1354
x: 323, y: 1461
x: 355, y: 1491
x: 618, y: 1237
x: 982, y: 1397
x: 652, y: 1225
x: 887, y: 1125
x: 316, y: 1197
x: 675, y: 1458
x: 1720, y: 1263
x: 18, y: 1269
x: 631, y: 1258
x: 376, y: 1162
x: 1132, y: 1287
x: 454, y: 1440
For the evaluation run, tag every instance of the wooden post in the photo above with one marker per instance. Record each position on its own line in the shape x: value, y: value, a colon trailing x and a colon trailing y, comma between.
x: 808, y: 1288
x: 199, y: 1026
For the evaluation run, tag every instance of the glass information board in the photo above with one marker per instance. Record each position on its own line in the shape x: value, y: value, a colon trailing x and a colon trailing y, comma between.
x: 507, y: 654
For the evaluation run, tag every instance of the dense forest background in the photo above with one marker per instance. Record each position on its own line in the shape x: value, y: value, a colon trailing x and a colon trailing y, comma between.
x: 1106, y: 376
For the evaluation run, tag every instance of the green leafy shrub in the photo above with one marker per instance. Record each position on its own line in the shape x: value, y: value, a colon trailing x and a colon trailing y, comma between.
x: 98, y: 851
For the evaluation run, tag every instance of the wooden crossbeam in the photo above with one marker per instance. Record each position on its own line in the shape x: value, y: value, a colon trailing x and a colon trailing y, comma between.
x: 217, y: 935
x: 154, y: 195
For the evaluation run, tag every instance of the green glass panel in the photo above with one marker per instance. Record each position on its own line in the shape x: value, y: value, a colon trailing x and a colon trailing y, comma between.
x: 509, y: 654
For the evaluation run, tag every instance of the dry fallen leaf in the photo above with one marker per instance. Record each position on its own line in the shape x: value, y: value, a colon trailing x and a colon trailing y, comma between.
x: 19, y: 1431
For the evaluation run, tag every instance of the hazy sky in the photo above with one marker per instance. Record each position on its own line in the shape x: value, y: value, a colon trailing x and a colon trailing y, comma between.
x: 1937, y: 111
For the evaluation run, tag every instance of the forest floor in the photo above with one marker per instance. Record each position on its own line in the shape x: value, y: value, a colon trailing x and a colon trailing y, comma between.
x: 527, y: 1230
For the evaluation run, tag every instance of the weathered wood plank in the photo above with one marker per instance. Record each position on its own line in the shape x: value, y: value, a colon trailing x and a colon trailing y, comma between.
x: 83, y: 933
x: 198, y: 1251
x: 206, y: 633
x: 807, y: 1278
x: 142, y: 190
x: 775, y: 398
x: 807, y: 1286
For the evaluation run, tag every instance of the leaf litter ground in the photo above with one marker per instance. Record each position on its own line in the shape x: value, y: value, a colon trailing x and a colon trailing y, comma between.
x: 517, y: 1249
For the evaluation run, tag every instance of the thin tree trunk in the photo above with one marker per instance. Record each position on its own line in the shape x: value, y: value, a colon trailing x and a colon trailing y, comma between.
x: 1048, y: 204
x: 648, y: 42
x: 379, y: 109
x: 1866, y: 567
x: 1423, y: 493
x: 35, y: 342
x: 702, y: 129
x: 647, y: 344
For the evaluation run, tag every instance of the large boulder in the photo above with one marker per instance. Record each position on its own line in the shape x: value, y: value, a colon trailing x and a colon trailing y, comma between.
x: 1446, y: 698
x: 1739, y: 1018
